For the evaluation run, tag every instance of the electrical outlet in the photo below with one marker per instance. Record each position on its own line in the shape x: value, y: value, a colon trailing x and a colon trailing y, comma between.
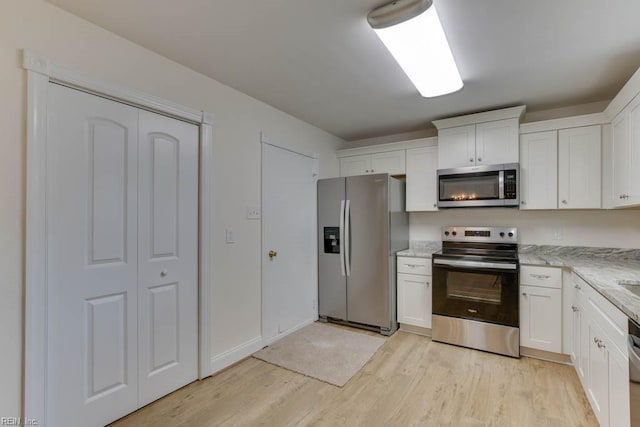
x: 557, y: 234
x: 253, y: 213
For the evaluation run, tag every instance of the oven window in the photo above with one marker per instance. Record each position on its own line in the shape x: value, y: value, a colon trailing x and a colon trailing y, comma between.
x: 485, y: 288
x: 470, y: 187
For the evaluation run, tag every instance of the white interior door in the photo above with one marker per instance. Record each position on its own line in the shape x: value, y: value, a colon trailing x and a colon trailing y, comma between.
x: 92, y: 259
x: 289, y: 278
x: 122, y: 200
x: 168, y: 255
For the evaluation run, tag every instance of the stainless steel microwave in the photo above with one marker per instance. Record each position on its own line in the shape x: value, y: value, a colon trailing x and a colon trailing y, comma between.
x: 479, y: 186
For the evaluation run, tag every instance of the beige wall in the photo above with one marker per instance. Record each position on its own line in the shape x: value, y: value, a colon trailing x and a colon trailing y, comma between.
x: 239, y: 119
x: 599, y: 228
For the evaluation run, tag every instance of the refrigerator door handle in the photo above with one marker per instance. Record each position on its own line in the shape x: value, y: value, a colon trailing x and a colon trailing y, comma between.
x: 347, y: 243
x: 341, y: 237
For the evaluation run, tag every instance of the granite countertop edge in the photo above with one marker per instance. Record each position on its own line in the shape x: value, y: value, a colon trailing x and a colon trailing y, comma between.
x: 601, y: 274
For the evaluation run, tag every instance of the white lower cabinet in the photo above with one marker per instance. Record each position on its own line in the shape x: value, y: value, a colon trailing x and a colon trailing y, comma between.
x: 599, y: 354
x: 414, y: 292
x: 540, y: 315
x: 541, y: 308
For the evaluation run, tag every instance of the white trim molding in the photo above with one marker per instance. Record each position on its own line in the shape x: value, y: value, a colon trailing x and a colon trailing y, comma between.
x: 629, y: 91
x: 485, y: 116
x: 564, y: 123
x: 40, y: 72
x: 390, y: 146
x: 235, y: 354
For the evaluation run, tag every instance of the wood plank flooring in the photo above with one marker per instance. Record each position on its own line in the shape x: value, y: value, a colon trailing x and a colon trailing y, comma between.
x: 410, y: 381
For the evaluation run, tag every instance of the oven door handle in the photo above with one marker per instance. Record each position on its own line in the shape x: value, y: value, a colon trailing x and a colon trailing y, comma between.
x: 476, y: 264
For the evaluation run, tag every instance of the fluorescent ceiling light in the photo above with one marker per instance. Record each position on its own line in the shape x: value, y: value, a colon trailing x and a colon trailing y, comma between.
x: 412, y: 32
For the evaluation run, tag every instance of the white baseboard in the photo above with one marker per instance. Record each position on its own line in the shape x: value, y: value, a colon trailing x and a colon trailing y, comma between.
x: 235, y: 354
x: 269, y: 341
x: 246, y: 349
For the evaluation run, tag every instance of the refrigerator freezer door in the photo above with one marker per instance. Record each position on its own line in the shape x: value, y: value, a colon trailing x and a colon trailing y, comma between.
x: 332, y: 281
x: 368, y: 289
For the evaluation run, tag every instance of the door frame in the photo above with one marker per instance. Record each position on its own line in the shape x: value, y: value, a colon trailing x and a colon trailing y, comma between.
x: 40, y: 72
x: 264, y: 140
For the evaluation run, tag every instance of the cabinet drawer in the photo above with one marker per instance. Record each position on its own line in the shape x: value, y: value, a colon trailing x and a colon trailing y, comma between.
x: 414, y: 265
x: 547, y: 277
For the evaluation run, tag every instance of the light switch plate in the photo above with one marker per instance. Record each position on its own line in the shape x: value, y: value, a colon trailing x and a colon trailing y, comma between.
x: 253, y: 212
x: 229, y: 238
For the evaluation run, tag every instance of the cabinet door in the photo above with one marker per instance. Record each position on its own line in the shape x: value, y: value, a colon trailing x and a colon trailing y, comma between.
x: 355, y: 165
x: 633, y: 190
x: 619, y: 403
x: 497, y: 142
x: 422, y: 183
x: 457, y: 147
x: 391, y: 162
x: 598, y: 374
x: 620, y: 157
x: 579, y: 168
x: 414, y: 300
x: 540, y: 317
x: 539, y: 170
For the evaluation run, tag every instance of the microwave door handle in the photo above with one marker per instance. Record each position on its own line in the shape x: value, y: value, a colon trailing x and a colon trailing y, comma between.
x: 501, y: 185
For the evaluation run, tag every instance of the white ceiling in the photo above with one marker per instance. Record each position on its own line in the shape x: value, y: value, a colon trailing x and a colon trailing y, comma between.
x: 319, y: 60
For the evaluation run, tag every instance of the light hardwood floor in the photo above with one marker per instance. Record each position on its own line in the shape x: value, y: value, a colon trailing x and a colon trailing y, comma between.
x: 410, y: 381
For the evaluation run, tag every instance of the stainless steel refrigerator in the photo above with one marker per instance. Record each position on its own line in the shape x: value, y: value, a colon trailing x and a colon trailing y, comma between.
x: 362, y: 223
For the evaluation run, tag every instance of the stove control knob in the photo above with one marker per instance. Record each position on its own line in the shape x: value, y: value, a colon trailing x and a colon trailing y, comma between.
x: 511, y: 234
x: 446, y: 233
x: 502, y: 234
x: 454, y: 233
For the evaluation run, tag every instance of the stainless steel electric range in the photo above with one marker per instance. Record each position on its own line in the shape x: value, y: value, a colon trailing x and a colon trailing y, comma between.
x: 475, y: 289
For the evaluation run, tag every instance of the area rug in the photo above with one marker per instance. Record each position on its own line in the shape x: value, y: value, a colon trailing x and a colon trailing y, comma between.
x: 328, y: 353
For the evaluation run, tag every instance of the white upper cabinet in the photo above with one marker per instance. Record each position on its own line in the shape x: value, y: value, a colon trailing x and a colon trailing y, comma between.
x: 479, y: 139
x: 457, y: 147
x: 625, y: 155
x: 539, y: 170
x: 497, y: 142
x: 391, y: 162
x: 422, y: 190
x: 355, y: 165
x: 579, y: 168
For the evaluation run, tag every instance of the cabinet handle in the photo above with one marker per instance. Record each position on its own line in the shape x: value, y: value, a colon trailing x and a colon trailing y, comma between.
x: 577, y: 287
x: 540, y: 276
x: 523, y: 202
x: 413, y: 265
x: 479, y: 159
x: 471, y: 160
x: 416, y: 281
x: 435, y: 205
x: 564, y: 202
x: 574, y: 308
x: 372, y: 170
x: 524, y: 294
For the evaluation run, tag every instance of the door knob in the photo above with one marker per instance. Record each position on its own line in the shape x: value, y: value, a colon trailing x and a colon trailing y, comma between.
x: 272, y: 254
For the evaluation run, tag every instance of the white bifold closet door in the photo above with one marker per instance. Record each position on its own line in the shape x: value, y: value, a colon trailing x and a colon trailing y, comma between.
x: 121, y: 257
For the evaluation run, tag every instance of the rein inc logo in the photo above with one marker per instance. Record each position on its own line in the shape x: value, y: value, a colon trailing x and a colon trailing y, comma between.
x: 18, y: 421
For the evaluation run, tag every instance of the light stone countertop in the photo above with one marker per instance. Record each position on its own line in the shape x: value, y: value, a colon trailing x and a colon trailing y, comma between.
x: 599, y: 267
x: 420, y: 249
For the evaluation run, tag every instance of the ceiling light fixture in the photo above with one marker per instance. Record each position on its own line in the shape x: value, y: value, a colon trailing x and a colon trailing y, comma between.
x: 412, y: 32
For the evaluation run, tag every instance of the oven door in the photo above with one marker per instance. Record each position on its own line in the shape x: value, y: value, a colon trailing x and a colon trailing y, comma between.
x: 477, y: 290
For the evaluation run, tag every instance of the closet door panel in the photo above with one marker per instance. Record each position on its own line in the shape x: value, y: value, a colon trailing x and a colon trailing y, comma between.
x: 92, y: 258
x: 168, y: 254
